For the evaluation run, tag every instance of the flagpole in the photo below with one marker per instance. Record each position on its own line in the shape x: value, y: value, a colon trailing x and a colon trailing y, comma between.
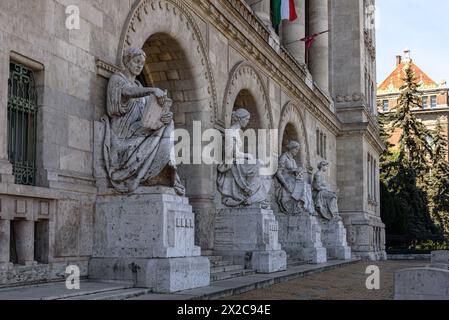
x: 309, y: 40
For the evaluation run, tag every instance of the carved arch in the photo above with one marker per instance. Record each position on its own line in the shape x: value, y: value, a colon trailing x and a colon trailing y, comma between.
x: 292, y: 115
x: 172, y: 17
x: 245, y: 77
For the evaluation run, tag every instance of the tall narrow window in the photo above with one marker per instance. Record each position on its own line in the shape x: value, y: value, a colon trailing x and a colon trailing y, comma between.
x: 375, y: 181
x: 318, y: 142
x: 22, y: 118
x: 425, y: 102
x: 325, y: 147
x: 368, y: 169
x: 385, y: 105
x: 321, y: 144
x: 433, y: 101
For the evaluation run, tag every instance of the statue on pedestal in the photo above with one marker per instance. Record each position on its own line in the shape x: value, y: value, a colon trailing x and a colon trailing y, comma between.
x: 293, y: 193
x: 325, y: 199
x: 239, y: 180
x: 138, y: 144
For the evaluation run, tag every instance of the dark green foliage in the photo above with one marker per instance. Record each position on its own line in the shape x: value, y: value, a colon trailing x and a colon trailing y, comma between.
x: 439, y: 182
x: 405, y: 171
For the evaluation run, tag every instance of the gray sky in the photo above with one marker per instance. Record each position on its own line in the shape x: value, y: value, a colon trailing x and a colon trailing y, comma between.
x: 420, y: 25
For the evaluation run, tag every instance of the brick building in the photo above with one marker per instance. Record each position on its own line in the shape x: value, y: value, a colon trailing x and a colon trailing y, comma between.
x: 435, y: 104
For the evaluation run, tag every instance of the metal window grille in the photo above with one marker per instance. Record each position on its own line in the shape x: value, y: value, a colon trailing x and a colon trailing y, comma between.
x: 22, y: 121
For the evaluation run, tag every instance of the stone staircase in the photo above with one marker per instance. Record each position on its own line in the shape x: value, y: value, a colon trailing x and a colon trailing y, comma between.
x: 293, y: 262
x: 223, y: 269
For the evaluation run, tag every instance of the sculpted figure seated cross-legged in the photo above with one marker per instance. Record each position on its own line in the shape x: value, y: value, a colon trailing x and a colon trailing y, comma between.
x: 138, y: 147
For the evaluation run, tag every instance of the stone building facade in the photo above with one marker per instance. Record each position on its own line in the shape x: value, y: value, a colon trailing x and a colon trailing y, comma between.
x: 212, y: 56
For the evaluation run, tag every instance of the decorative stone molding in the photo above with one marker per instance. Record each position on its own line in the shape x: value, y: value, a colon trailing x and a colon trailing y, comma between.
x: 280, y: 66
x: 245, y: 76
x: 106, y: 69
x: 369, y: 43
x: 146, y: 19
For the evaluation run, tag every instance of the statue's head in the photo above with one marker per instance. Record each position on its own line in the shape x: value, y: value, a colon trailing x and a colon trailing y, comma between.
x: 134, y: 60
x: 241, y: 116
x: 323, y: 166
x: 293, y: 147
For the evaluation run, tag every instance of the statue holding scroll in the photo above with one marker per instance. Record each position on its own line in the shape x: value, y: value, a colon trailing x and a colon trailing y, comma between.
x: 138, y: 145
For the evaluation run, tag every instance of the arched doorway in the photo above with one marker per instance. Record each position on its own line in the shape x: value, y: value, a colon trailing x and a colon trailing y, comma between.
x: 177, y: 61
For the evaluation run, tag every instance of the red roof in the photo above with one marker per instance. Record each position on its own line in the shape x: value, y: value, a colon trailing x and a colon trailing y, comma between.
x: 394, y: 81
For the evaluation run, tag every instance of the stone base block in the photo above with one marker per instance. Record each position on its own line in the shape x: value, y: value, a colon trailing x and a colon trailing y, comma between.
x: 152, y: 223
x: 249, y: 236
x: 339, y: 253
x: 440, y: 259
x: 421, y: 284
x: 300, y: 237
x: 159, y: 275
x: 334, y: 239
x: 269, y: 261
x: 314, y: 255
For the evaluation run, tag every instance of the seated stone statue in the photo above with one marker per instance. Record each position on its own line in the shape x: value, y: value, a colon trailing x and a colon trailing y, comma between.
x: 239, y: 180
x: 293, y: 192
x: 138, y: 147
x: 325, y: 199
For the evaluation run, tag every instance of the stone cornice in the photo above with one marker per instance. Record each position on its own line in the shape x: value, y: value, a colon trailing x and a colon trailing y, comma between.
x: 233, y: 18
x: 106, y: 69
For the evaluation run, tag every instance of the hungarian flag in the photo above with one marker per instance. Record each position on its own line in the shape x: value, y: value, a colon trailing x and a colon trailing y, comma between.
x: 283, y: 10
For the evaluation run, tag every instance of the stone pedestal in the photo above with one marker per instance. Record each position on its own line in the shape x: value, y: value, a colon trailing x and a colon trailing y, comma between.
x: 5, y: 226
x: 334, y: 239
x: 300, y: 237
x: 24, y: 231
x: 250, y: 236
x: 148, y: 237
x: 440, y: 259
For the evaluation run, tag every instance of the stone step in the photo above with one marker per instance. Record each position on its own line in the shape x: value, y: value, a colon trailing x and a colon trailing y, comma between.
x: 207, y: 252
x: 236, y: 267
x: 223, y: 263
x: 214, y: 259
x: 296, y: 263
x: 113, y: 295
x: 230, y: 275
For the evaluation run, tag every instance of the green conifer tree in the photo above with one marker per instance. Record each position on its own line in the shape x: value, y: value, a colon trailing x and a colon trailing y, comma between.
x: 405, y: 175
x: 439, y: 182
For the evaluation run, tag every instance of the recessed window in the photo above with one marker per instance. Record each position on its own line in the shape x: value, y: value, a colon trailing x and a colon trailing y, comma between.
x: 386, y: 105
x: 433, y: 101
x: 22, y: 121
x: 321, y: 144
x: 425, y: 102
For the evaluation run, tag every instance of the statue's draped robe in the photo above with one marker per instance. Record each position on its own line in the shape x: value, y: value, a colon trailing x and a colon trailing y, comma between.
x: 301, y: 199
x: 325, y: 200
x: 134, y: 152
x: 234, y: 179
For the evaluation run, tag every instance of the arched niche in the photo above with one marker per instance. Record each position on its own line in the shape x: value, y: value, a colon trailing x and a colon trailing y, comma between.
x: 292, y: 127
x: 151, y: 22
x: 177, y: 60
x: 246, y: 81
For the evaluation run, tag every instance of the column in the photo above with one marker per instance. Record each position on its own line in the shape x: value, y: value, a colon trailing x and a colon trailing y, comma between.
x: 292, y: 32
x: 5, y: 165
x: 5, y: 226
x: 24, y: 231
x: 262, y: 8
x: 319, y: 53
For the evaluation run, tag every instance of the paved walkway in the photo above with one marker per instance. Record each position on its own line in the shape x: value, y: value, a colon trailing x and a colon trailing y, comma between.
x: 346, y: 283
x: 332, y: 280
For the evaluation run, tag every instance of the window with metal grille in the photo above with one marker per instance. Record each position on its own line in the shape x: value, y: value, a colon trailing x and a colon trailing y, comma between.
x: 22, y: 121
